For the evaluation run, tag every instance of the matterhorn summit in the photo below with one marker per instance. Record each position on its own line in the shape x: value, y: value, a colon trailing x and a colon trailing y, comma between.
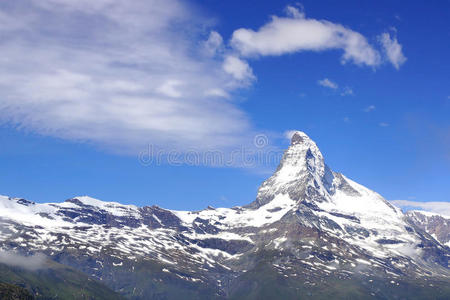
x: 301, y: 167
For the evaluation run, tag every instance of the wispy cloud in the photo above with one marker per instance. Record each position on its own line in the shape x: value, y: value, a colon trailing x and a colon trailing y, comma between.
x: 370, y: 108
x: 392, y: 49
x: 435, y: 207
x: 383, y: 124
x: 295, y: 11
x: 214, y: 44
x: 120, y: 74
x: 238, y: 68
x: 328, y: 83
x: 347, y: 91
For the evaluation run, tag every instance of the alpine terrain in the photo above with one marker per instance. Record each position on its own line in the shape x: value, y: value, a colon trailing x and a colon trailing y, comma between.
x: 311, y: 233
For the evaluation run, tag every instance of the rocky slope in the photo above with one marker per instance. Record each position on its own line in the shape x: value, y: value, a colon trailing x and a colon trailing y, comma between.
x: 310, y: 232
x: 435, y: 224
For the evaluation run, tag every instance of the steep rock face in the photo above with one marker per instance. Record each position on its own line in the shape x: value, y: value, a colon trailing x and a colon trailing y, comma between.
x: 434, y: 224
x: 302, y: 174
x: 307, y: 223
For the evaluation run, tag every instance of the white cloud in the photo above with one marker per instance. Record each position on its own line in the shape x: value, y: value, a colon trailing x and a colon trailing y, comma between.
x: 238, y: 68
x: 217, y: 93
x: 119, y: 74
x: 370, y: 108
x: 392, y: 49
x: 296, y: 33
x: 383, y: 124
x: 169, y: 88
x: 328, y: 83
x: 435, y: 207
x: 214, y: 44
x: 295, y: 12
x: 347, y: 91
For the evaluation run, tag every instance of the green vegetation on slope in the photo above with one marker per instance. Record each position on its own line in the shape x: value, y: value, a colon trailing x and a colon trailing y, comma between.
x: 56, y: 281
x: 13, y: 292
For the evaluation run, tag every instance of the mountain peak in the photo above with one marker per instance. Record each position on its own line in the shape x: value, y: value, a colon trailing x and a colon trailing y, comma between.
x: 303, y: 153
x: 302, y: 166
x: 86, y: 200
x: 300, y: 141
x: 299, y: 137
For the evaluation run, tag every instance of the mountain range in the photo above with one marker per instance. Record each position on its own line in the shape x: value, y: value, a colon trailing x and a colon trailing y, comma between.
x: 310, y: 233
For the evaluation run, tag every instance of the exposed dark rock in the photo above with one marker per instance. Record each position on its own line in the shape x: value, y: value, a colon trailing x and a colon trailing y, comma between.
x: 389, y: 241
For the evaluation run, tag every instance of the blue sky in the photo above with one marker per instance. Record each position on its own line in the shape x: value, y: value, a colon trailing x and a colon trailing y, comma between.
x: 87, y: 88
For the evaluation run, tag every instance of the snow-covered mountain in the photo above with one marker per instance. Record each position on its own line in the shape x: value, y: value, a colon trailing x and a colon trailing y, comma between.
x: 308, y: 227
x: 437, y: 225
